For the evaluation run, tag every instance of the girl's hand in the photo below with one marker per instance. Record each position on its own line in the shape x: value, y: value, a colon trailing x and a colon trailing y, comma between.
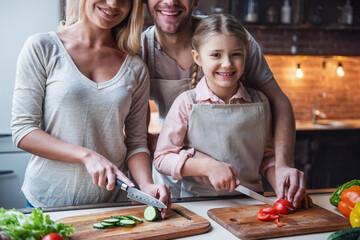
x: 161, y: 192
x: 204, y: 180
x: 222, y: 176
x: 102, y: 171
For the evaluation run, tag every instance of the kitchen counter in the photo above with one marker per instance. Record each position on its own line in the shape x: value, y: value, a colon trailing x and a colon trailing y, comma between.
x: 217, y: 231
x: 328, y: 124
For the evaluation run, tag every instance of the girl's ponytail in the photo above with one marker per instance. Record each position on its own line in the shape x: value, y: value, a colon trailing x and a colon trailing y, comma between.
x: 194, y: 76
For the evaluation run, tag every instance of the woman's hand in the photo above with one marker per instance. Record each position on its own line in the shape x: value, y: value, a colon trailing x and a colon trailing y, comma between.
x: 161, y: 192
x: 222, y: 176
x: 104, y: 172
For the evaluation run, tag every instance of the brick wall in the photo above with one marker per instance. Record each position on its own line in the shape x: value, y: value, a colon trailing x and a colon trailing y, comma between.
x: 343, y: 93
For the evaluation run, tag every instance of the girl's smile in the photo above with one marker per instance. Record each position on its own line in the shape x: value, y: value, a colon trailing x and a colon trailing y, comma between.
x: 222, y: 58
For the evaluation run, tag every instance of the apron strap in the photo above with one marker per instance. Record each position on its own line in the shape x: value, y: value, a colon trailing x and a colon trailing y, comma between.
x: 151, y: 51
x: 254, y: 95
x: 191, y: 94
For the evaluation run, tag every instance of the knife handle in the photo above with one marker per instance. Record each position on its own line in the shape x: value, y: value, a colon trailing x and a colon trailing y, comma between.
x: 122, y: 185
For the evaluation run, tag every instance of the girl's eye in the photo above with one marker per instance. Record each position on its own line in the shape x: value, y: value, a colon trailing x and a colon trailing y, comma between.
x: 215, y: 55
x: 237, y: 54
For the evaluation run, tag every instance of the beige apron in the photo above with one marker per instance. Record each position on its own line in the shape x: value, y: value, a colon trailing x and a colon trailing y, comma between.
x: 232, y: 133
x: 164, y: 92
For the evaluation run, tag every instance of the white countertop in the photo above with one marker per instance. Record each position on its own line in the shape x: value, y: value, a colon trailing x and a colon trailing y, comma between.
x: 217, y: 231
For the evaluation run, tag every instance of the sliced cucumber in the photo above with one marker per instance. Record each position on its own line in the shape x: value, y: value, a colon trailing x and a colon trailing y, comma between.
x: 98, y: 226
x: 111, y: 221
x: 136, y: 219
x: 121, y: 217
x: 105, y: 224
x: 151, y: 213
x: 127, y: 223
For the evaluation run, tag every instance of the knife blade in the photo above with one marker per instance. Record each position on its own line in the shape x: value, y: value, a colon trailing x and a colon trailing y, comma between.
x: 139, y: 196
x: 255, y: 195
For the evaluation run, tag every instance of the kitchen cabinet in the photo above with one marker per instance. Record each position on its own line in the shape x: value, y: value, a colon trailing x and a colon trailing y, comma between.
x: 328, y: 157
x: 13, y: 162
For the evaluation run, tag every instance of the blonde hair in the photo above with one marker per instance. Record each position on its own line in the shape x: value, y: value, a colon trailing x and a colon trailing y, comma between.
x: 212, y: 26
x: 127, y: 33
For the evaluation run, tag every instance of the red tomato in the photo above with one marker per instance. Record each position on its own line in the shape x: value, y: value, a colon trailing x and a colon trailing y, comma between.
x: 280, y: 208
x: 267, y: 213
x: 268, y: 210
x: 52, y: 236
x: 287, y: 203
x: 283, y: 206
x: 262, y: 216
x: 274, y: 216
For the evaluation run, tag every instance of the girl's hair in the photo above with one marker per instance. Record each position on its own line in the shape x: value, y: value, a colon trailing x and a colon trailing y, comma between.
x: 212, y: 26
x: 127, y: 33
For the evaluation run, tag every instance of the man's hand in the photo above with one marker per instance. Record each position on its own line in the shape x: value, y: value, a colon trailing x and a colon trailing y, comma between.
x: 291, y: 185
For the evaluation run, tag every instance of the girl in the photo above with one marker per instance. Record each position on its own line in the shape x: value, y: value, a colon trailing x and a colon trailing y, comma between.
x: 80, y: 105
x: 219, y: 118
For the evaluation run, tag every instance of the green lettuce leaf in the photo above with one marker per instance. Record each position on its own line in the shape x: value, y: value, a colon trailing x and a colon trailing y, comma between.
x: 31, y: 227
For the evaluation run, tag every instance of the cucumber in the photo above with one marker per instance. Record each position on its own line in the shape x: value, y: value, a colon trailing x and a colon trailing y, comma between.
x: 136, y: 219
x: 127, y: 223
x: 112, y: 221
x: 98, y: 226
x: 348, y: 234
x: 105, y: 224
x: 121, y: 217
x: 151, y: 213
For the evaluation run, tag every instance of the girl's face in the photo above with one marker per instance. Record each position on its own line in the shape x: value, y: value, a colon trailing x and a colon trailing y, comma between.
x: 222, y: 59
x: 171, y: 16
x: 107, y: 14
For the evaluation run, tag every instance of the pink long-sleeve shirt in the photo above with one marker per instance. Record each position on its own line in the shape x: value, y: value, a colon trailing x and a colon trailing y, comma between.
x: 171, y: 153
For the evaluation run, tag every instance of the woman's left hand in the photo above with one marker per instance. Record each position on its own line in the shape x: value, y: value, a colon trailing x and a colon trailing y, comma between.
x: 161, y: 192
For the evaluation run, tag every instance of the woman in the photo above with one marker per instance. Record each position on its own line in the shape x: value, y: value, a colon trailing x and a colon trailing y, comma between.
x: 80, y: 105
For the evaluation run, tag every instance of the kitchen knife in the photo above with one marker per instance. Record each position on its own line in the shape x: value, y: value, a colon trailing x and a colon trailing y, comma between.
x: 255, y: 195
x: 139, y: 196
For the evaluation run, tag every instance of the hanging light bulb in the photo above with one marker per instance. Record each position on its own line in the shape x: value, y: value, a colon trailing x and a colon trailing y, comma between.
x: 340, y: 70
x: 299, y: 72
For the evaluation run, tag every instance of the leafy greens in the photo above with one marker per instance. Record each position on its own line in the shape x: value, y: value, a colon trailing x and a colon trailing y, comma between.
x: 31, y: 227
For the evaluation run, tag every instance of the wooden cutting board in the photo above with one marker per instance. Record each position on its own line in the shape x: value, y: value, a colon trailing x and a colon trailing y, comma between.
x: 242, y: 222
x: 179, y: 222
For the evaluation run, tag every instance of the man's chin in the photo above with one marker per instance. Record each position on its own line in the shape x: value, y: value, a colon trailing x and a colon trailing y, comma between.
x: 169, y: 29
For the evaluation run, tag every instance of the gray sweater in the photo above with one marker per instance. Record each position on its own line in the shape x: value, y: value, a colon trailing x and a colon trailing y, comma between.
x: 51, y: 94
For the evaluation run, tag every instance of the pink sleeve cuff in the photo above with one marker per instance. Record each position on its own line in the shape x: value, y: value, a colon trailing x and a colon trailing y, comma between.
x: 184, y: 155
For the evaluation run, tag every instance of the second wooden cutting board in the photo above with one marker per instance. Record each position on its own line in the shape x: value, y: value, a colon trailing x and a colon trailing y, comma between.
x: 242, y: 222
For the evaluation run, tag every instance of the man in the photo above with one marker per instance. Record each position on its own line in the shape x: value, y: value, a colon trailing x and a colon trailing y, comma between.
x: 166, y: 48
